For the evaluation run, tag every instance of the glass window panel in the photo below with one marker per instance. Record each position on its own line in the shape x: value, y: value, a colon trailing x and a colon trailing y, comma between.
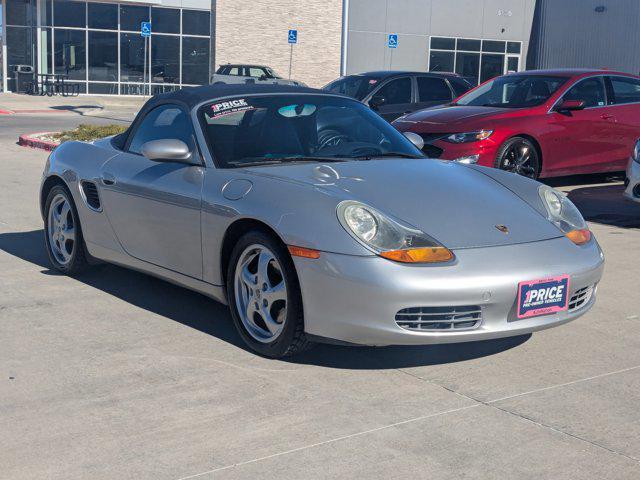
x: 46, y: 15
x: 256, y: 72
x: 195, y: 22
x: 103, y: 88
x: 512, y: 64
x: 103, y: 15
x: 103, y: 56
x: 468, y: 64
x: 133, y: 89
x: 396, y: 91
x: 46, y: 52
x: 165, y: 20
x: 165, y: 121
x: 626, y: 89
x: 469, y: 44
x: 493, y: 46
x: 75, y: 87
x: 492, y: 66
x: 513, y: 47
x: 432, y: 89
x: 20, y: 46
x: 131, y: 57
x: 443, y: 43
x: 195, y: 60
x: 20, y: 12
x: 69, y: 14
x: 441, y: 62
x: 131, y: 16
x: 589, y: 90
x: 156, y: 89
x: 165, y: 59
x: 70, y: 53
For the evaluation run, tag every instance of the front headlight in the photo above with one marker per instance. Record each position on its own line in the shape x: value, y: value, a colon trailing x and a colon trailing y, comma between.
x: 563, y: 214
x: 468, y: 136
x: 636, y: 152
x: 388, y: 238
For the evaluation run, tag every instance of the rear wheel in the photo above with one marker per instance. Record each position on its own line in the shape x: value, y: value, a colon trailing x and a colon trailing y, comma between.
x: 63, y: 234
x: 264, y: 296
x: 519, y: 155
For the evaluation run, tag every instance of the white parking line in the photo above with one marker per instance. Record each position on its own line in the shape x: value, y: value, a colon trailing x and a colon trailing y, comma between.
x: 404, y: 422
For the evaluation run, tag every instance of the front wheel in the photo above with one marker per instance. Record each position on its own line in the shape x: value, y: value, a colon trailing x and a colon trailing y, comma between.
x: 264, y: 296
x: 519, y: 155
x: 63, y: 234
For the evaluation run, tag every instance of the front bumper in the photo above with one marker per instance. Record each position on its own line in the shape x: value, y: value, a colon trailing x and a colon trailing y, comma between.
x: 355, y: 299
x: 486, y: 151
x: 632, y: 182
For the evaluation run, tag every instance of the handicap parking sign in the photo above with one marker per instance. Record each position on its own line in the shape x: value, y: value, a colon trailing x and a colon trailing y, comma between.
x: 392, y: 42
x: 145, y: 29
x: 293, y: 36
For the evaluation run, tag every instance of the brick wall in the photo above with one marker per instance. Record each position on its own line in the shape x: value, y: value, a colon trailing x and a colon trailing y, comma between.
x: 255, y: 31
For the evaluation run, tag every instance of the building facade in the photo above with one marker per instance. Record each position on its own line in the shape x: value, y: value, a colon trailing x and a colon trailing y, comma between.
x: 98, y: 45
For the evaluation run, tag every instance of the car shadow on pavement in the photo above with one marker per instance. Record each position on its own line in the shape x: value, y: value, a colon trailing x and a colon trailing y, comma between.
x: 212, y: 318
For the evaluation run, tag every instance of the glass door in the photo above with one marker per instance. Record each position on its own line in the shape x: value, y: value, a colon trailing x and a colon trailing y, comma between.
x: 512, y: 64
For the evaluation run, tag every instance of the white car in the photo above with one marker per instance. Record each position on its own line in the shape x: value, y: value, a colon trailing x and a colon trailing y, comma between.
x: 252, y: 74
x: 632, y: 180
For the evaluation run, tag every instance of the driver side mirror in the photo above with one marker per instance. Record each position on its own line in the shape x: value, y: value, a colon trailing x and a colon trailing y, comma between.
x: 168, y: 150
x: 416, y: 139
x: 377, y: 101
x: 570, y: 105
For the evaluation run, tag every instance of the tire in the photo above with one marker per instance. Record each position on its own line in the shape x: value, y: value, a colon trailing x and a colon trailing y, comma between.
x: 268, y: 326
x: 509, y: 153
x: 63, y: 238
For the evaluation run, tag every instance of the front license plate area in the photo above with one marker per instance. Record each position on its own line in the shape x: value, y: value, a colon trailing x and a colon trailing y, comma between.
x: 543, y: 297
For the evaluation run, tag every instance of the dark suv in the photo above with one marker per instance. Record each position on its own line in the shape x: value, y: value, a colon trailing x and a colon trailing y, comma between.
x: 395, y: 93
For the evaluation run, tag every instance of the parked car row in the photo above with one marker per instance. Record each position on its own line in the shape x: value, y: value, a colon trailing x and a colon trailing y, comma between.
x: 316, y: 220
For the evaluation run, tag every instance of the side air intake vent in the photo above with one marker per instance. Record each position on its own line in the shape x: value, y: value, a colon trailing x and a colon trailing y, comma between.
x: 90, y: 193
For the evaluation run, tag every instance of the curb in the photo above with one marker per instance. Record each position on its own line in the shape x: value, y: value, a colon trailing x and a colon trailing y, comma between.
x: 29, y: 140
x: 6, y: 112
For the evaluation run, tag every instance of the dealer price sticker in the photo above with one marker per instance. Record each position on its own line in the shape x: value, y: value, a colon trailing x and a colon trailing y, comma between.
x: 543, y: 297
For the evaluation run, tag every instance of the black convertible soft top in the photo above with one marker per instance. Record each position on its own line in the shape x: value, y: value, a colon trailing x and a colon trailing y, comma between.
x: 192, y: 96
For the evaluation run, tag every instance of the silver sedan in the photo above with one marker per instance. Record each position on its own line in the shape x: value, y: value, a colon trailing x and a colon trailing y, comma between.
x: 316, y: 221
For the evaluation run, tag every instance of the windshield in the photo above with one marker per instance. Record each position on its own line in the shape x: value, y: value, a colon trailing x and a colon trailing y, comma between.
x: 262, y: 130
x: 355, y: 86
x: 514, y: 91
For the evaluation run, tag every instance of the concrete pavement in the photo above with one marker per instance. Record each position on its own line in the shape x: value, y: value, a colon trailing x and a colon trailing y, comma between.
x: 118, y: 375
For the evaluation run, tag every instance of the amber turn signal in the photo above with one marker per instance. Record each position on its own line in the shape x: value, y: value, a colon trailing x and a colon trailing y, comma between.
x: 579, y: 237
x: 303, y: 252
x: 419, y: 255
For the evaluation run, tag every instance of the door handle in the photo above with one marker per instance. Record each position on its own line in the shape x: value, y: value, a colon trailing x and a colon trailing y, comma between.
x: 108, y: 179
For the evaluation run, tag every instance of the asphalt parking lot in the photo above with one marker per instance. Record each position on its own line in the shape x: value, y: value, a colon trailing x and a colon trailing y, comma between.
x: 115, y: 374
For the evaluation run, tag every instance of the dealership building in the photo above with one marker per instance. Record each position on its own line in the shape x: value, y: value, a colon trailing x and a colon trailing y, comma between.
x: 98, y: 46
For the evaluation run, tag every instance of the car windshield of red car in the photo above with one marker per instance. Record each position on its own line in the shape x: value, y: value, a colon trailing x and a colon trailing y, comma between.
x: 514, y: 91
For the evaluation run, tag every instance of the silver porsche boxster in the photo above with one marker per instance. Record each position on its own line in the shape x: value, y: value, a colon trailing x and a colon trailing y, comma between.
x: 317, y: 221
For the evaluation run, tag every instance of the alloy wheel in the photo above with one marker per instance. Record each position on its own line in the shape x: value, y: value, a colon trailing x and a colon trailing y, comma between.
x: 260, y: 293
x: 61, y: 229
x: 521, y: 159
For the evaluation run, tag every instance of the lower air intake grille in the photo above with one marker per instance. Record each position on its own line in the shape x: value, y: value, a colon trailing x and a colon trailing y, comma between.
x: 438, y: 319
x: 91, y: 196
x: 580, y: 298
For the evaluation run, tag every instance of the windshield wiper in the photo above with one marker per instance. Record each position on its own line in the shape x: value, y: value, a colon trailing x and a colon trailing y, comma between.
x: 278, y: 160
x: 386, y: 154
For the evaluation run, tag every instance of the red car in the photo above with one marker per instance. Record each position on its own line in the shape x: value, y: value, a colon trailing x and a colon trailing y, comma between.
x: 540, y: 123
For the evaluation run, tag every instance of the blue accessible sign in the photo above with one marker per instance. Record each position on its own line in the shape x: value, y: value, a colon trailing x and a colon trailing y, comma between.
x: 392, y: 42
x: 293, y: 36
x: 145, y: 29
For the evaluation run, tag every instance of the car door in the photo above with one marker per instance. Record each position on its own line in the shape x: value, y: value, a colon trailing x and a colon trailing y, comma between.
x: 624, y: 100
x: 581, y: 140
x: 432, y: 91
x: 154, y: 206
x: 393, y: 98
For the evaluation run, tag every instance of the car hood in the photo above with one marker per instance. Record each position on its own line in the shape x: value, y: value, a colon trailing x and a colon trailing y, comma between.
x: 457, y: 205
x: 450, y: 116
